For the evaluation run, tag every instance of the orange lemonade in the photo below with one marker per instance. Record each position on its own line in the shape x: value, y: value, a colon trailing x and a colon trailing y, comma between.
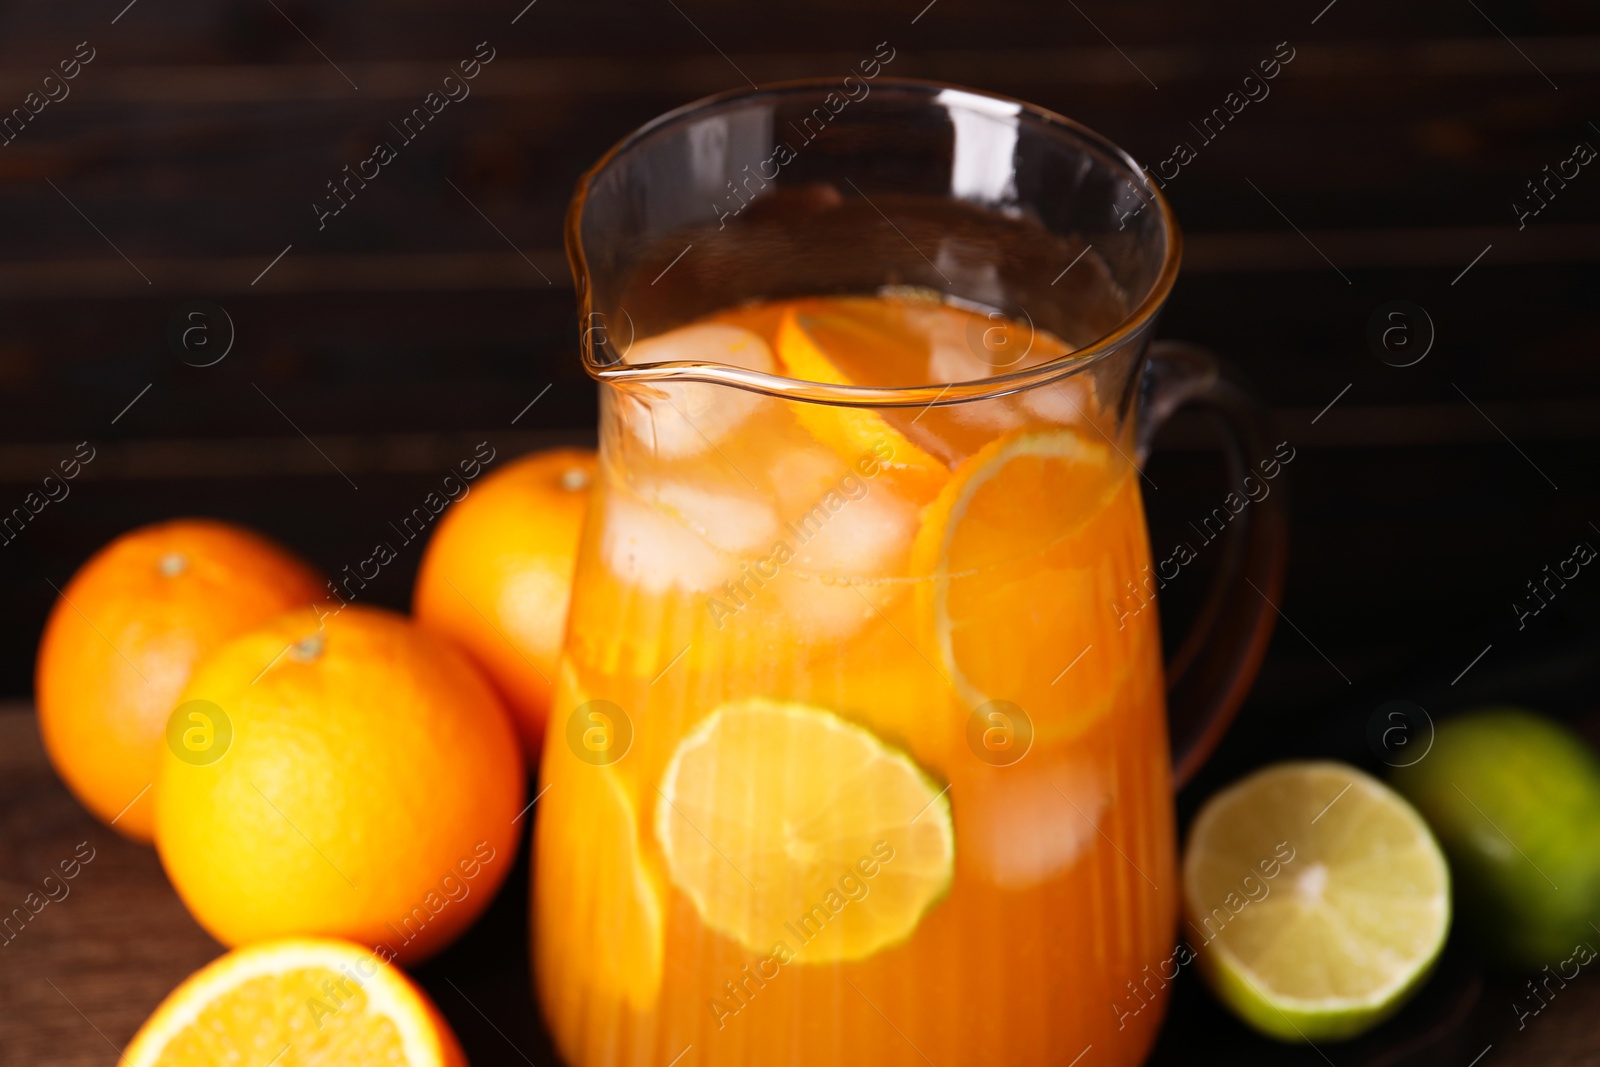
x: 857, y: 753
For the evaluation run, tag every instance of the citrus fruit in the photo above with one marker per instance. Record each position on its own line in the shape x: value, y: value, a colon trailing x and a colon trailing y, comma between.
x: 1013, y: 547
x: 125, y: 634
x: 601, y: 927
x: 1515, y: 800
x: 497, y: 576
x: 786, y: 823
x: 368, y: 791
x: 297, y: 1002
x: 1317, y: 898
x: 804, y: 342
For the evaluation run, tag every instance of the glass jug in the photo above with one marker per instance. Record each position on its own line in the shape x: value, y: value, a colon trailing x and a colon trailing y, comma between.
x: 860, y: 750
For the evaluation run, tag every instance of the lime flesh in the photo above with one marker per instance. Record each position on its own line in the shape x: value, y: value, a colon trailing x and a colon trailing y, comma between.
x: 796, y: 832
x: 1316, y: 898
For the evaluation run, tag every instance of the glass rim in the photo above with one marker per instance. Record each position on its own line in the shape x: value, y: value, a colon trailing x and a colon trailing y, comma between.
x: 935, y: 394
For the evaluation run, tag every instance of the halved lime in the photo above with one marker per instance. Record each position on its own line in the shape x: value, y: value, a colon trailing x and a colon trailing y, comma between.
x: 1317, y: 899
x: 787, y: 825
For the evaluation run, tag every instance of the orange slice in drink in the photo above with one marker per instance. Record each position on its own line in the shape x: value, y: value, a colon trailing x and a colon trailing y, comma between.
x: 296, y: 1003
x: 600, y: 920
x: 858, y: 435
x: 1025, y: 548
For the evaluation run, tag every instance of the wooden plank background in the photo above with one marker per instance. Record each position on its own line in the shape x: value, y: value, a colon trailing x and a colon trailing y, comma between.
x: 429, y: 313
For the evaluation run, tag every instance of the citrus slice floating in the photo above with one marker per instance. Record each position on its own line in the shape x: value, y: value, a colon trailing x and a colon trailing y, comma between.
x: 305, y: 1001
x: 611, y: 928
x: 1317, y: 897
x: 856, y: 434
x: 598, y: 907
x: 785, y: 823
x: 1011, y: 553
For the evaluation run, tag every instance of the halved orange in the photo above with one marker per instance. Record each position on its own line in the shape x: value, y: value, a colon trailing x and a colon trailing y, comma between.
x: 296, y: 1003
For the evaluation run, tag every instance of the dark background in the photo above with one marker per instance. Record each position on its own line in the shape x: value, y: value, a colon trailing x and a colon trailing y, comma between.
x: 428, y: 315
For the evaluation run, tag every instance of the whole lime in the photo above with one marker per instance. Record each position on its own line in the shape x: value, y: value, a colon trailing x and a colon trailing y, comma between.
x: 1514, y: 798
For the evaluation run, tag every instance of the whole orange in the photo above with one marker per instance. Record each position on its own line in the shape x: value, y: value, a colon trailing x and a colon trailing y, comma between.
x: 356, y: 778
x: 497, y: 576
x: 125, y: 634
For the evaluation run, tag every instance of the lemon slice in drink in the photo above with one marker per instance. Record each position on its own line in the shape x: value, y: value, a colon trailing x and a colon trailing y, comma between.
x: 1020, y: 585
x: 1317, y: 899
x: 856, y: 434
x: 786, y: 825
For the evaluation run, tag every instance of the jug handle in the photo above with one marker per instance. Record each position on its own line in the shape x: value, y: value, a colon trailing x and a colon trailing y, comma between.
x: 1211, y: 672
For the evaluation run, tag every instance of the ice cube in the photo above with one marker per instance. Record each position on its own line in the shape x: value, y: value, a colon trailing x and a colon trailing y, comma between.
x: 722, y: 517
x: 823, y: 610
x: 956, y: 352
x: 1066, y: 402
x: 1032, y: 821
x: 963, y: 348
x: 645, y: 547
x: 855, y: 530
x: 955, y: 363
x: 996, y: 413
x: 685, y: 418
x: 802, y: 475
